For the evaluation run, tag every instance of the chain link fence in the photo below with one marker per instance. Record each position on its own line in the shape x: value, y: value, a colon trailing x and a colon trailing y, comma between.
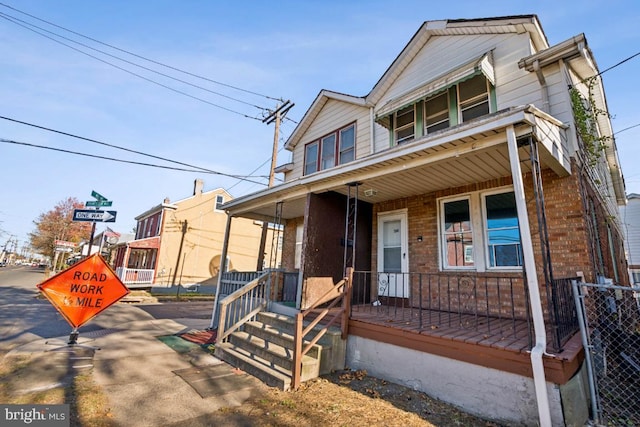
x: 610, y: 326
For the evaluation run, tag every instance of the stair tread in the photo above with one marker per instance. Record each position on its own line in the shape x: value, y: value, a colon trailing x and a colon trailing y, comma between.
x: 291, y: 321
x: 272, y: 348
x: 273, y: 330
x: 257, y: 361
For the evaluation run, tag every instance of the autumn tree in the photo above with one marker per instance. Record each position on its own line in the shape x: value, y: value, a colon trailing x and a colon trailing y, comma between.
x: 58, y: 224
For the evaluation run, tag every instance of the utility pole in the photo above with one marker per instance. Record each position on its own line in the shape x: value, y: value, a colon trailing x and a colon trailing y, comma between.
x: 184, y: 232
x: 274, y: 117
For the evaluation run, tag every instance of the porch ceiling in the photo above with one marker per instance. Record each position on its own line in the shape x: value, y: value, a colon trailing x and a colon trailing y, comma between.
x: 466, y: 154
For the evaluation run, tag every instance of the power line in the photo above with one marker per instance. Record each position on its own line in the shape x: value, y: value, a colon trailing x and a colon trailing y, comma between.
x: 9, y: 141
x: 132, y: 73
x: 12, y: 18
x: 140, y: 56
x: 106, y: 144
x: 618, y: 64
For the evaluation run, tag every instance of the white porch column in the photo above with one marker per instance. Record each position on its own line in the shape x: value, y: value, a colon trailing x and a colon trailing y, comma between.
x: 223, y: 265
x: 540, y: 347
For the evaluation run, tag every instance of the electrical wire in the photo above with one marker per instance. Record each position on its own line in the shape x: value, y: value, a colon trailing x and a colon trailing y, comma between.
x: 134, y: 74
x: 142, y: 57
x: 9, y: 141
x: 12, y: 18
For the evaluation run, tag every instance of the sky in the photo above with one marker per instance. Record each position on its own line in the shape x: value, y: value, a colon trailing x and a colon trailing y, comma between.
x: 252, y: 55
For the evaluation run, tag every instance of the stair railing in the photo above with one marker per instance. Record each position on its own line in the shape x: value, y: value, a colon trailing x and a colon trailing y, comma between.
x: 340, y: 293
x: 242, y: 306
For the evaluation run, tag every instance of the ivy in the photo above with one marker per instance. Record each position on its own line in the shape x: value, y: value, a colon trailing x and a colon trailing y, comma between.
x: 585, y: 114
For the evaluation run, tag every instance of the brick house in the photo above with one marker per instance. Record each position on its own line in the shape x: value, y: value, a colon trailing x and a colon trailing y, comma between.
x: 467, y: 195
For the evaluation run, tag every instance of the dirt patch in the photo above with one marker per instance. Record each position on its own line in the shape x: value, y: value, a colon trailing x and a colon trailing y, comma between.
x: 347, y: 398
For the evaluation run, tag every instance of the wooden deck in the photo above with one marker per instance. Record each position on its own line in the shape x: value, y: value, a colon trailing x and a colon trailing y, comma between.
x: 492, y: 342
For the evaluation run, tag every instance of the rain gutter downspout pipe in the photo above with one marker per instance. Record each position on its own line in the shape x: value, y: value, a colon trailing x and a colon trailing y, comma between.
x: 540, y: 347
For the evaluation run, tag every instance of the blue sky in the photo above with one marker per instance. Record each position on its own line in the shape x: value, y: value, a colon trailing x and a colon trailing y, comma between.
x: 284, y: 49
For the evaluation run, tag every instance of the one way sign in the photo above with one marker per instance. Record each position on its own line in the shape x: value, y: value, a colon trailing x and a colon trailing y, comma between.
x: 94, y: 215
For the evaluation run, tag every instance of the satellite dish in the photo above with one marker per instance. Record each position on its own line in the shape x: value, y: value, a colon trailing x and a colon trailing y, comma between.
x: 112, y: 240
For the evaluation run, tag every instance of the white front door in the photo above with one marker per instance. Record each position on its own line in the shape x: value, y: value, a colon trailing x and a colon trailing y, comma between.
x: 393, y: 257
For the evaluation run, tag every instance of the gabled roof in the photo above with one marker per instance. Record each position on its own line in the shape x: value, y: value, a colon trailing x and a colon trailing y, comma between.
x: 499, y: 25
x: 312, y: 113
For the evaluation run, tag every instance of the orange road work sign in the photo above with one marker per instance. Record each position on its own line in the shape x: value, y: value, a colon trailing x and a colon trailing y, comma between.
x: 84, y: 290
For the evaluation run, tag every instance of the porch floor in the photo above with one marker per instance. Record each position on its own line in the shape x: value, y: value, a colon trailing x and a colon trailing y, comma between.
x: 493, y: 342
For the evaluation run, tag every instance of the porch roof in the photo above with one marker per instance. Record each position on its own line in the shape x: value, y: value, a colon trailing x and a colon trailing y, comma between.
x: 472, y: 152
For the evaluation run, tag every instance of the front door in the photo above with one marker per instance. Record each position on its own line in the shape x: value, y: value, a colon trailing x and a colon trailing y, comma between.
x: 393, y: 257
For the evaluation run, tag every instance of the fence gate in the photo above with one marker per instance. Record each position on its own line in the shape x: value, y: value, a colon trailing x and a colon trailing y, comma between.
x: 610, y: 326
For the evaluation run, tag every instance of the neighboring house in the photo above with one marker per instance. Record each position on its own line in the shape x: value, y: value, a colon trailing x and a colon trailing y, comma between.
x: 181, y: 242
x: 630, y: 214
x: 467, y: 197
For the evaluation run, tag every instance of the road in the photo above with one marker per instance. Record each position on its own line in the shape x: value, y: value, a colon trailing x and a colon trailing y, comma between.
x: 26, y: 317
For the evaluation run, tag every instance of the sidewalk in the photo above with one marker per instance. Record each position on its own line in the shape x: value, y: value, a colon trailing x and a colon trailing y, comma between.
x: 150, y: 376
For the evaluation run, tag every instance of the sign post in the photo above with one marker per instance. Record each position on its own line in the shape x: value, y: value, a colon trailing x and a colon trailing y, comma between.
x: 83, y: 291
x: 95, y: 216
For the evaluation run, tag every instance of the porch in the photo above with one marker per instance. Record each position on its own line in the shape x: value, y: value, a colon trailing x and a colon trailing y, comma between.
x: 135, y: 276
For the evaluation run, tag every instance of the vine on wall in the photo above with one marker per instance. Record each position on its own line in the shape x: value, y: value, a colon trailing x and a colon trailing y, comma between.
x: 586, y: 113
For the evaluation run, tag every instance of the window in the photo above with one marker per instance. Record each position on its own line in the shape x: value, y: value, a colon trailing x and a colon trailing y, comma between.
x: 468, y: 221
x: 474, y: 98
x: 457, y: 235
x: 456, y: 104
x: 436, y: 113
x: 404, y: 120
x: 502, y: 231
x: 311, y: 158
x: 347, y: 144
x: 219, y: 202
x: 334, y: 149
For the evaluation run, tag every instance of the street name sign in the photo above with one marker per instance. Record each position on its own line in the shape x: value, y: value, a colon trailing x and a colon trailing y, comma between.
x: 97, y: 195
x: 98, y: 203
x: 84, y: 290
x: 94, y: 215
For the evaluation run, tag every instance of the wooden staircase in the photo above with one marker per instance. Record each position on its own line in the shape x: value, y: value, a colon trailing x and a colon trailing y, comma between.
x: 264, y: 348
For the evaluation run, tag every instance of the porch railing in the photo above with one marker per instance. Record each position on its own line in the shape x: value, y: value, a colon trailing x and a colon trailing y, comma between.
x: 488, y: 304
x: 130, y: 276
x: 319, y: 310
x: 242, y: 306
x: 284, y: 284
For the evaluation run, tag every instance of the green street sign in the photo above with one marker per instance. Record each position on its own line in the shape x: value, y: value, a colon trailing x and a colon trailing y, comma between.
x: 98, y: 203
x: 97, y: 196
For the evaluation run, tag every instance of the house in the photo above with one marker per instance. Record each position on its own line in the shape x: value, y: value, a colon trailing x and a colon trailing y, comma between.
x: 468, y: 189
x: 630, y: 214
x: 181, y: 242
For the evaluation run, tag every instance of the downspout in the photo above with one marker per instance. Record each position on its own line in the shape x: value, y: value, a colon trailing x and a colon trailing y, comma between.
x: 540, y: 347
x: 223, y: 265
x: 372, y: 131
x: 543, y: 86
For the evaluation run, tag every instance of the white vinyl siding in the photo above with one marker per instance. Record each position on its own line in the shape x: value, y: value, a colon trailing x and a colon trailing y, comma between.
x: 333, y: 116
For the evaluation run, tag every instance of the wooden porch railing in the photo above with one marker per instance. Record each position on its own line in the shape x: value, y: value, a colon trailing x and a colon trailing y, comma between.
x: 242, y: 306
x: 135, y: 275
x: 340, y: 293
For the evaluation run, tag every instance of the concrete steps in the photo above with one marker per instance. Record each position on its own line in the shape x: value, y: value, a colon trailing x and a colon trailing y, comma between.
x: 264, y: 348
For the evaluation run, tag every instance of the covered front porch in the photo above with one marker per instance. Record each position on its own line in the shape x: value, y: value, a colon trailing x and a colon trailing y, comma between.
x: 404, y: 295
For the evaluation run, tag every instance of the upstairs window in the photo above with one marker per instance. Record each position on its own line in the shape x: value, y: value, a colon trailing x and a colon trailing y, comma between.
x: 336, y: 148
x: 219, y: 202
x: 436, y: 113
x: 405, y: 124
x: 473, y: 95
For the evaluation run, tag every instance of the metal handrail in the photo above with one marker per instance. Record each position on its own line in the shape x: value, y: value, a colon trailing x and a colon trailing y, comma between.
x: 300, y: 332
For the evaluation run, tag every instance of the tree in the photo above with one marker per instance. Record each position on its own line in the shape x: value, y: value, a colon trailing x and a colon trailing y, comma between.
x: 58, y: 224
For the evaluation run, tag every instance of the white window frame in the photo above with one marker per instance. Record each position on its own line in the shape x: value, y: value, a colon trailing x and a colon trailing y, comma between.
x: 485, y: 230
x: 443, y: 237
x: 219, y: 202
x: 439, y: 122
x: 411, y: 125
x: 480, y: 251
x: 320, y: 160
x: 474, y: 101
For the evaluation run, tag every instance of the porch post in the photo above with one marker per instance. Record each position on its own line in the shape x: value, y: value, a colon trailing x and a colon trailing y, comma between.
x: 540, y: 347
x: 222, y: 269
